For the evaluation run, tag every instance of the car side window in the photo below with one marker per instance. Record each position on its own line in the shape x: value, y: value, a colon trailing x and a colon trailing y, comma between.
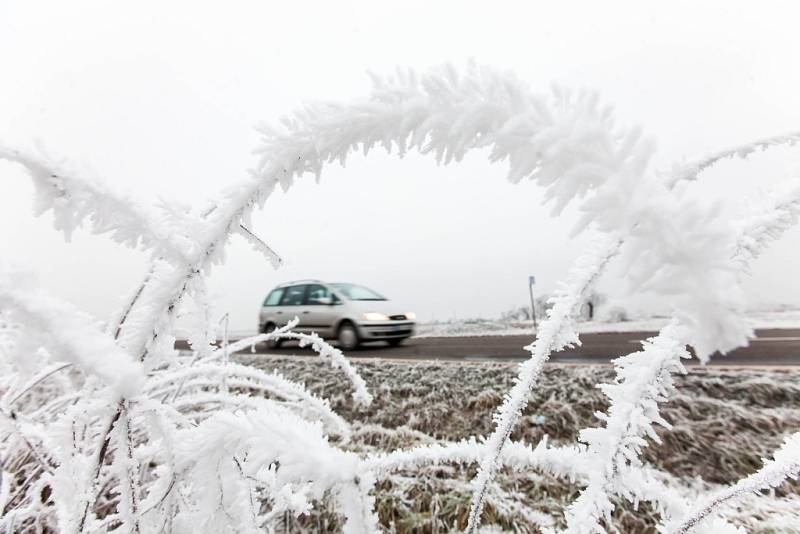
x: 293, y: 296
x: 274, y: 297
x: 318, y: 295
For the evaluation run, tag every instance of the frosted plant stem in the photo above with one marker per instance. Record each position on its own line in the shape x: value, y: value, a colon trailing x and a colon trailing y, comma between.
x: 21, y: 490
x: 691, y: 170
x: 41, y: 458
x: 97, y: 465
x: 258, y: 244
x: 116, y: 324
x: 325, y: 350
x: 568, y: 462
x: 555, y: 333
x: 225, y: 352
x: 104, y: 440
x: 234, y: 347
x: 643, y: 379
x: 36, y: 380
x: 785, y: 464
x: 129, y: 472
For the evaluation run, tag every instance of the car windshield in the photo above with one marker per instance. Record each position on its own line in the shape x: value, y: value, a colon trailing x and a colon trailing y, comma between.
x: 356, y: 292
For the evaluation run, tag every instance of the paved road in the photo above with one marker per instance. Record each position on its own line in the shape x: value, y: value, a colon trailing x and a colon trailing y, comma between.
x: 771, y: 347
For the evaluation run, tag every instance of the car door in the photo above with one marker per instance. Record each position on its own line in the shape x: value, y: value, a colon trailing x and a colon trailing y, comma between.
x: 322, y: 312
x: 293, y: 305
x: 271, y: 312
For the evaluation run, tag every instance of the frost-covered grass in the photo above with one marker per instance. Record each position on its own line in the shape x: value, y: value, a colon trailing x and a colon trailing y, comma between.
x: 724, y: 422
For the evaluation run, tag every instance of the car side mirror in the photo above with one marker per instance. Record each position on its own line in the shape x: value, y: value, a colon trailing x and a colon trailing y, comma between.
x: 325, y: 300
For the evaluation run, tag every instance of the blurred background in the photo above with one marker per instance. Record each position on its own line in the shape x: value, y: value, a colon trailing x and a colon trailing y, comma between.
x: 161, y: 98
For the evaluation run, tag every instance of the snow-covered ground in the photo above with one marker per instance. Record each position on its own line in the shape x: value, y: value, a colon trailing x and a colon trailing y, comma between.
x: 417, y: 401
x: 487, y: 327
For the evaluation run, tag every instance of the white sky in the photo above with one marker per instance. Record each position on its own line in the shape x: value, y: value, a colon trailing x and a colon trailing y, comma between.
x: 160, y: 98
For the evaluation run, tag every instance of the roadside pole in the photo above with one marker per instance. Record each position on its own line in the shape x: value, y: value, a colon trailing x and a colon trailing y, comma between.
x: 531, y: 281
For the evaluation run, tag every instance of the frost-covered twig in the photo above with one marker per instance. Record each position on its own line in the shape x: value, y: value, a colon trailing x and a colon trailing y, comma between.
x: 643, y: 380
x: 74, y: 198
x: 325, y: 350
x: 10, y: 424
x: 127, y: 470
x: 119, y: 318
x: 265, y: 439
x: 667, y: 251
x: 205, y: 376
x: 250, y: 342
x: 784, y: 465
x: 568, y: 462
x: 555, y: 333
x: 690, y: 170
x: 767, y: 222
x: 32, y: 383
x: 72, y: 336
x: 259, y: 245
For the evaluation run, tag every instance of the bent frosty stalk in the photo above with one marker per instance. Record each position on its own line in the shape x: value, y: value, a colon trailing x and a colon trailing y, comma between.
x: 644, y: 379
x: 556, y: 333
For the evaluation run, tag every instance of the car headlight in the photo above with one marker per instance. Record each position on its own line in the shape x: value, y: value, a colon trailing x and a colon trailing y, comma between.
x: 411, y: 316
x: 373, y: 316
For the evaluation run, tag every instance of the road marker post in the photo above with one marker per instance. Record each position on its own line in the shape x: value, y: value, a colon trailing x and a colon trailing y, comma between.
x: 531, y: 281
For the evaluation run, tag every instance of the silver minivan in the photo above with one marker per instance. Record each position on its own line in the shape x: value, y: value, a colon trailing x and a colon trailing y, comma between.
x: 348, y: 313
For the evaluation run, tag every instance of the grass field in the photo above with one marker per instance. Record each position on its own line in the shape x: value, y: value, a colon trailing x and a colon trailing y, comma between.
x: 724, y: 421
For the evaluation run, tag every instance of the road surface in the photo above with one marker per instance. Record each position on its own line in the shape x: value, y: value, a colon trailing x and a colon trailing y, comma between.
x: 779, y: 347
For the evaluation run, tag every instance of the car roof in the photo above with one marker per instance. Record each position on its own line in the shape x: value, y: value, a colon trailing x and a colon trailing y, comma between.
x: 296, y: 282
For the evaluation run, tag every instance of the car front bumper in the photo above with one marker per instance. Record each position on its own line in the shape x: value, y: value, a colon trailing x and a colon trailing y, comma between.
x: 380, y: 330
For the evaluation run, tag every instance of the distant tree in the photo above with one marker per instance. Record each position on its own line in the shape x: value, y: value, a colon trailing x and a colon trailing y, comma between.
x: 591, y: 305
x: 516, y: 314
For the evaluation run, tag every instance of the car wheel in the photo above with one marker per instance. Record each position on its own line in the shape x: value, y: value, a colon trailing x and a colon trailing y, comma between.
x: 272, y: 343
x: 348, y: 336
x: 395, y: 342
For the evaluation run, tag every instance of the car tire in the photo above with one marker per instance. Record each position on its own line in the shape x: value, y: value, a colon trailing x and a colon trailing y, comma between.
x: 347, y: 336
x: 395, y: 342
x: 272, y: 343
